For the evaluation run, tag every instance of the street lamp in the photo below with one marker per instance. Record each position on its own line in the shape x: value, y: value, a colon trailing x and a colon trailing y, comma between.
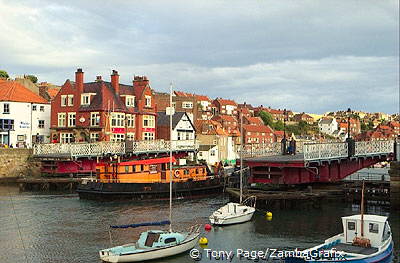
x: 348, y: 122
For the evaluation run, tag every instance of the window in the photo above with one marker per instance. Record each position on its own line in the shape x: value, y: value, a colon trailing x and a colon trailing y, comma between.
x: 118, y: 120
x: 85, y: 99
x: 130, y: 136
x: 71, y: 119
x: 94, y: 137
x: 6, y: 124
x: 148, y: 121
x: 61, y: 119
x: 170, y: 240
x: 126, y: 169
x: 41, y: 124
x: 34, y: 107
x: 70, y: 100
x: 248, y: 133
x: 42, y: 108
x: 117, y: 137
x: 351, y: 225
x: 148, y: 136
x: 66, y: 138
x: 373, y: 228
x: 64, y: 100
x: 187, y: 105
x: 131, y: 121
x: 6, y: 108
x: 94, y: 119
x: 130, y: 101
x: 148, y: 101
x: 174, y: 105
x: 212, y: 153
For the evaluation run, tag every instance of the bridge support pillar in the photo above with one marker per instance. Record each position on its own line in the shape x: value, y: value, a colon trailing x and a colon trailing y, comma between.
x: 394, y: 173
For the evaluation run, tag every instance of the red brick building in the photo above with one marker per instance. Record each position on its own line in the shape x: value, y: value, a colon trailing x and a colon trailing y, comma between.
x: 225, y: 107
x: 303, y: 117
x: 395, y: 125
x: 103, y: 111
x: 253, y: 134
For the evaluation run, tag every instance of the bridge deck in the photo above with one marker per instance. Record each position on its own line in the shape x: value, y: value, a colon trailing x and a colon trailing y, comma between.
x: 279, y: 160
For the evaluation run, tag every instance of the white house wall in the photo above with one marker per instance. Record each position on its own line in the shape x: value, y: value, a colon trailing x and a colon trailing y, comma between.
x: 26, y: 122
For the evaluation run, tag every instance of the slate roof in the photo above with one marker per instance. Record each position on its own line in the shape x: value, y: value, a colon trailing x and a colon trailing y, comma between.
x: 163, y: 119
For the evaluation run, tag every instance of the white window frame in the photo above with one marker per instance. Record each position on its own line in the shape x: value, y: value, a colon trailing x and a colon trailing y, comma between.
x: 34, y: 107
x: 117, y: 137
x: 71, y: 119
x: 66, y: 137
x: 64, y: 100
x: 70, y: 100
x: 39, y: 124
x: 130, y: 120
x: 61, y: 119
x: 187, y: 105
x: 149, y: 121
x: 41, y: 108
x: 94, y: 119
x: 85, y: 99
x: 130, y: 101
x: 147, y: 101
x: 94, y: 136
x: 148, y: 136
x: 117, y: 120
x: 130, y: 136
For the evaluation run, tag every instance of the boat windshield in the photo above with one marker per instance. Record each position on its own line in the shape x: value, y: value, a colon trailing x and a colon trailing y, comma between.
x: 386, y: 232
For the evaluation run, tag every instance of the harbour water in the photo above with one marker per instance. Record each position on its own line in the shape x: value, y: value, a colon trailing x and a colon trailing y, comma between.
x: 41, y: 228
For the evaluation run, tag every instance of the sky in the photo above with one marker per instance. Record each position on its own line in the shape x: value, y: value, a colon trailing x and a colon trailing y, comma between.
x: 312, y: 56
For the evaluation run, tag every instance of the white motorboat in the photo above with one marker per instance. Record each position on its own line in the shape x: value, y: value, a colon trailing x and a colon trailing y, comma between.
x: 154, y: 244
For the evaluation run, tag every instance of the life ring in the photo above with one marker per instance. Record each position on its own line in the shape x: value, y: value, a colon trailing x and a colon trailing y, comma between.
x: 177, y: 174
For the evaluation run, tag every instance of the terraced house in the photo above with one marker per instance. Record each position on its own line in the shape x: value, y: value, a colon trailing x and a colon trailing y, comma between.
x: 103, y: 111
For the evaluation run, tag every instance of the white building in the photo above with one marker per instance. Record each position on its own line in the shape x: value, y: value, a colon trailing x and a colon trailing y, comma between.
x: 328, y: 126
x: 182, y: 127
x: 24, y: 116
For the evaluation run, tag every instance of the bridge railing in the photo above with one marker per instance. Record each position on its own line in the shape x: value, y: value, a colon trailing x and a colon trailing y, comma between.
x: 374, y: 147
x: 262, y: 149
x: 318, y: 151
x: 115, y: 148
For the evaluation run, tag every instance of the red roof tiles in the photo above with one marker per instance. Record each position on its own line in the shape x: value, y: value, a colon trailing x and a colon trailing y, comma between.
x: 14, y: 91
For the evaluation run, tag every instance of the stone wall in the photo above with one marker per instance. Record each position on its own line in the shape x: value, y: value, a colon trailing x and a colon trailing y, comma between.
x: 18, y: 162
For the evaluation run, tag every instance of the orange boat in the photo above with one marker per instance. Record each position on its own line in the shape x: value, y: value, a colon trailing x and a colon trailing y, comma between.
x: 149, y: 179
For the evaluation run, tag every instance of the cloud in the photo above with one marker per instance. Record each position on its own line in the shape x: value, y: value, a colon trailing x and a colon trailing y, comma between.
x: 308, y: 55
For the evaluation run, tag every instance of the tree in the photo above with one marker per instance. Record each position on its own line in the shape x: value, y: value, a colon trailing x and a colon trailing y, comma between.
x: 4, y: 74
x: 278, y: 126
x: 267, y: 118
x: 33, y: 78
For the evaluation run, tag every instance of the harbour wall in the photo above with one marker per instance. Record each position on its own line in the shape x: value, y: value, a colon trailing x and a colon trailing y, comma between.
x: 394, y: 173
x: 15, y: 162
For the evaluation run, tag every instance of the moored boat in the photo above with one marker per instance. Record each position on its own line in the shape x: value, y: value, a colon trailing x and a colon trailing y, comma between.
x: 149, y: 179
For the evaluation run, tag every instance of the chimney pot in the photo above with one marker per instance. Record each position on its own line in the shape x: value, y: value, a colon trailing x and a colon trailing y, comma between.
x: 79, y: 80
x: 115, y: 81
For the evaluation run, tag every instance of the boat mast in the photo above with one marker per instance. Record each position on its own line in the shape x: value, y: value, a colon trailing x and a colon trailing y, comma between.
x: 362, y: 210
x: 241, y: 156
x: 170, y: 158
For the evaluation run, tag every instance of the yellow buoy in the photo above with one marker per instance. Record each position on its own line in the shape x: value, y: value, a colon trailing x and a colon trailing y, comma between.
x: 269, y: 218
x: 268, y: 214
x: 203, y: 241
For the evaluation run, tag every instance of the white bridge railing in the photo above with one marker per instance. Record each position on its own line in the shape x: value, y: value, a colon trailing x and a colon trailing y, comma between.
x: 316, y: 151
x: 113, y: 148
x: 321, y: 151
x: 262, y: 149
x: 374, y: 147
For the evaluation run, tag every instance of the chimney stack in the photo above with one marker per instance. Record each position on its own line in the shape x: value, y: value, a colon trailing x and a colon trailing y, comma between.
x: 79, y: 80
x: 98, y: 78
x: 115, y: 81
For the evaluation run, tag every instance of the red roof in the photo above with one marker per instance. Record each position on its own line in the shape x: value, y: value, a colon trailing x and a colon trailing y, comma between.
x: 225, y: 118
x: 255, y: 120
x: 14, y: 91
x: 226, y: 102
x: 202, y: 98
x: 53, y: 92
x: 394, y: 124
x: 279, y: 133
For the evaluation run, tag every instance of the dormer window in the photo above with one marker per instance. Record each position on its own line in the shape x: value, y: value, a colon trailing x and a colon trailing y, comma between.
x: 85, y: 99
x: 70, y: 100
x: 148, y: 101
x: 130, y: 101
x: 64, y: 100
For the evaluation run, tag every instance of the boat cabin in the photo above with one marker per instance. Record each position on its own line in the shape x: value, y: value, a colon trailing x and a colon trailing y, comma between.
x: 376, y: 228
x: 149, y: 171
x: 158, y: 238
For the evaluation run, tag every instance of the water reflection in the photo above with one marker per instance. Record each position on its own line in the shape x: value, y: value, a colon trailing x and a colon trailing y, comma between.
x: 62, y: 228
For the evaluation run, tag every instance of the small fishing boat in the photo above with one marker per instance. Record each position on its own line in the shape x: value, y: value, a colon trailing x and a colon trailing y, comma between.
x: 154, y: 244
x: 235, y: 213
x: 365, y: 239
